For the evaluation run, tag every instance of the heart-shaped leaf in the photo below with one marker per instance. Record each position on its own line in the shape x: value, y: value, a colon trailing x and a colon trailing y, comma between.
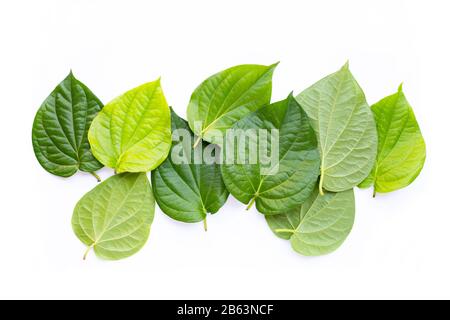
x: 401, y: 147
x: 114, y: 219
x: 132, y: 133
x: 345, y: 128
x: 288, y: 179
x: 320, y: 225
x: 227, y: 97
x: 184, y: 190
x: 61, y: 126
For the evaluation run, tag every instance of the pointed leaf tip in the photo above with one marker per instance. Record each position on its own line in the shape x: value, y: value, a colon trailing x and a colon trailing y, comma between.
x: 400, y: 88
x: 346, y: 65
x: 71, y: 76
x: 275, y: 64
x: 158, y: 81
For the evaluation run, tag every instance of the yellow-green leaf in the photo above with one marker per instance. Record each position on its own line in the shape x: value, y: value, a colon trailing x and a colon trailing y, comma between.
x: 227, y: 97
x: 401, y: 147
x: 132, y: 133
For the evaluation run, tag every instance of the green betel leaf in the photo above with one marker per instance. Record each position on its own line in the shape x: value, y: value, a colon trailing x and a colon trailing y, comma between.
x: 401, y: 147
x: 284, y: 224
x: 132, y: 133
x: 227, y: 97
x: 114, y: 219
x: 345, y: 128
x: 320, y: 225
x: 184, y: 189
x: 60, y: 129
x: 286, y: 178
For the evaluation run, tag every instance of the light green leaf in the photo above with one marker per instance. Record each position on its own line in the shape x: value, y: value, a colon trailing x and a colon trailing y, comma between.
x: 132, y: 133
x: 401, y: 147
x: 227, y: 97
x: 318, y: 227
x: 184, y: 190
x: 345, y: 128
x: 114, y: 219
x: 60, y: 129
x: 293, y: 172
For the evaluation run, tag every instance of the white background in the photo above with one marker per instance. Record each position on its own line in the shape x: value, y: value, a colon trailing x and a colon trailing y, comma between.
x: 399, y: 247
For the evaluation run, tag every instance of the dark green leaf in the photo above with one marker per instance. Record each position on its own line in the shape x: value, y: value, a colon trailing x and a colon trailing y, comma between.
x: 292, y: 175
x: 186, y: 191
x: 60, y: 129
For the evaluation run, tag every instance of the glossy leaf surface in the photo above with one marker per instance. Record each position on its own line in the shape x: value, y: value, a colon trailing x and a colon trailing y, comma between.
x: 60, y: 129
x: 226, y: 98
x: 401, y: 147
x: 288, y: 180
x: 187, y: 191
x: 132, y: 133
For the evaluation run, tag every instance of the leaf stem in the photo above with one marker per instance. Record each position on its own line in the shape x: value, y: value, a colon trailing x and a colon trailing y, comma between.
x: 205, y: 224
x: 96, y: 176
x: 321, y: 183
x: 197, y: 142
x: 87, y: 252
x: 374, y: 194
x: 284, y: 231
x: 250, y: 205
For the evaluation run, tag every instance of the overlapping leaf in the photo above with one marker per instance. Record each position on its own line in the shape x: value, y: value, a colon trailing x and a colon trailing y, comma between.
x: 185, y: 190
x: 227, y: 97
x: 132, y: 133
x: 401, y: 147
x: 327, y: 131
x: 114, y: 219
x: 61, y: 126
x: 345, y: 129
x: 290, y: 179
x: 320, y: 225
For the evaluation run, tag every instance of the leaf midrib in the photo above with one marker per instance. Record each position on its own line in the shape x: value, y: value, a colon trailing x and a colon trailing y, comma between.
x: 129, y: 193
